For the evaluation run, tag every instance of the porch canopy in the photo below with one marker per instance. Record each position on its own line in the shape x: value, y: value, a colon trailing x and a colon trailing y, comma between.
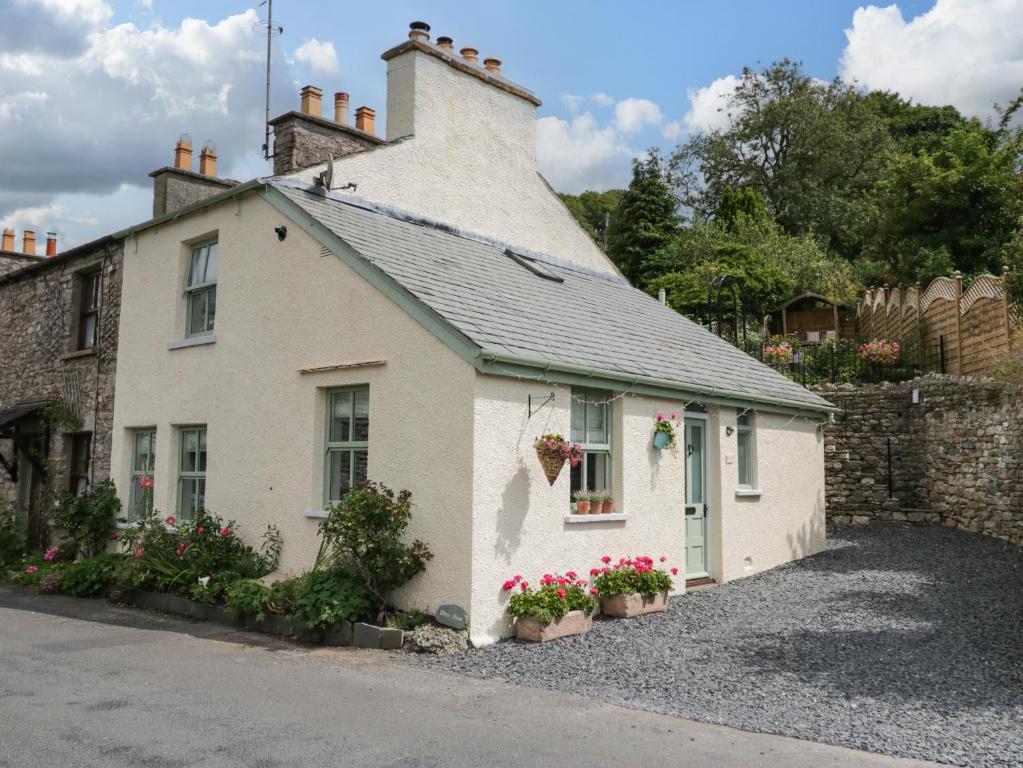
x: 9, y: 417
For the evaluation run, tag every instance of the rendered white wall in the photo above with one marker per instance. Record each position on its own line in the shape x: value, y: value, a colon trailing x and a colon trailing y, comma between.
x: 787, y: 521
x: 470, y: 162
x: 282, y: 307
x: 519, y: 522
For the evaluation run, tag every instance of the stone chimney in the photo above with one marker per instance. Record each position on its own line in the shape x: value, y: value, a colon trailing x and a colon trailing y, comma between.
x: 178, y: 186
x: 8, y: 240
x: 28, y: 242
x: 305, y: 138
x: 51, y: 243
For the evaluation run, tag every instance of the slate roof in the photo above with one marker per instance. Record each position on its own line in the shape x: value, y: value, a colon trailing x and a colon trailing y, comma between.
x: 588, y: 319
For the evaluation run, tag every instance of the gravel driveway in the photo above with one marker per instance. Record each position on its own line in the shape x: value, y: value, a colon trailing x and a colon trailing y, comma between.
x: 896, y: 639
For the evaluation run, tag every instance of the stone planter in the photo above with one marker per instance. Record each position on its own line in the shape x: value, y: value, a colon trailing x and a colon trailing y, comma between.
x: 572, y: 623
x: 627, y: 606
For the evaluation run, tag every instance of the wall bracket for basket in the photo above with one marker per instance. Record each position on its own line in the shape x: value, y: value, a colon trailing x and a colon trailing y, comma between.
x: 548, y: 399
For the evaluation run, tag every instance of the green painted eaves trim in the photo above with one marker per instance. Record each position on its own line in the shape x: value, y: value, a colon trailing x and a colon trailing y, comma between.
x: 500, y: 364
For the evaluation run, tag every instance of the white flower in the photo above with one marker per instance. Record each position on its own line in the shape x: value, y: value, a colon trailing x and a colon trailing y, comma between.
x: 204, y: 580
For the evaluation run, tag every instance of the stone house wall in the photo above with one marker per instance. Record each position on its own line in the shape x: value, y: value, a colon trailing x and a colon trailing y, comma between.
x: 38, y: 361
x: 956, y: 454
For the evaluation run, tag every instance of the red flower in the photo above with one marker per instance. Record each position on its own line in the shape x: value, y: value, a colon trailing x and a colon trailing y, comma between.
x: 594, y: 571
x: 570, y: 575
x: 181, y: 548
x: 114, y: 536
x: 524, y: 586
x: 605, y: 559
x: 508, y: 585
x: 145, y: 481
x: 674, y: 571
x: 200, y: 530
x: 137, y: 552
x: 225, y: 531
x: 594, y: 591
x: 663, y: 558
x: 561, y: 593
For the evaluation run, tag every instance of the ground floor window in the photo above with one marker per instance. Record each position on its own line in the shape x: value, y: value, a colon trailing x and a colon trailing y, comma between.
x: 192, y: 472
x: 745, y: 444
x: 347, y: 441
x: 591, y: 428
x: 143, y: 463
x: 79, y: 455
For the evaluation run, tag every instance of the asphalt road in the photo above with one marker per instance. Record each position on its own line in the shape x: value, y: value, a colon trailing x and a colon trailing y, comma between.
x: 84, y: 683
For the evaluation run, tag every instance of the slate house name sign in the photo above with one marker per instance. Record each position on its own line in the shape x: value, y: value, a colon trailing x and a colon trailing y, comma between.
x: 452, y: 616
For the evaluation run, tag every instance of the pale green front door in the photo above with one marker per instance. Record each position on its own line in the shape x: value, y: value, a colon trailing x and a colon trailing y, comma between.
x: 696, y: 498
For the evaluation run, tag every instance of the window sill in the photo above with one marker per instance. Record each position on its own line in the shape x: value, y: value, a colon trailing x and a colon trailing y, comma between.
x: 194, y: 341
x: 317, y: 514
x: 78, y: 353
x: 613, y: 517
x: 748, y: 493
x: 122, y: 526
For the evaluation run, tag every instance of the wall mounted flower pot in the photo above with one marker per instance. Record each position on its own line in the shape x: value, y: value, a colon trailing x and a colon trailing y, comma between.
x: 552, y: 461
x: 661, y: 440
x: 572, y: 623
x: 627, y: 606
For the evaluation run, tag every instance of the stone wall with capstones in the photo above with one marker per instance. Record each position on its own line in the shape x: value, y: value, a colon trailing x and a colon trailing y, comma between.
x: 956, y: 449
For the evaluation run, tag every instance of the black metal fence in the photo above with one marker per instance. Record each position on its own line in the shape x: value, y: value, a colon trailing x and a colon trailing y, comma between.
x: 837, y: 362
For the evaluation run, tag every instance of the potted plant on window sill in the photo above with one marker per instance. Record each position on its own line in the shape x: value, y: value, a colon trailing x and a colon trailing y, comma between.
x: 664, y: 431
x: 582, y: 502
x: 632, y: 587
x: 562, y: 606
x: 607, y: 503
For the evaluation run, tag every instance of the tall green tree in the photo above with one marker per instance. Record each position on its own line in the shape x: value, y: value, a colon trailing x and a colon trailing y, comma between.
x: 593, y: 211
x: 646, y: 218
x: 813, y: 150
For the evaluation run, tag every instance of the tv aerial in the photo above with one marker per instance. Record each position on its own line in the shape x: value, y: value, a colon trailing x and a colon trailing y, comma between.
x: 271, y: 33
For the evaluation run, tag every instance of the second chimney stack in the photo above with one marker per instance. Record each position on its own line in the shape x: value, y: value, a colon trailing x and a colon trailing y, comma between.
x: 208, y: 159
x: 183, y: 153
x: 312, y: 101
x: 51, y: 243
x: 8, y: 241
x: 365, y: 118
x: 341, y: 108
x: 28, y: 243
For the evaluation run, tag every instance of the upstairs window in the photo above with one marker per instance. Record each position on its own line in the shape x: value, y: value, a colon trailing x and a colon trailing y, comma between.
x: 143, y: 462
x: 201, y: 289
x: 591, y: 428
x: 88, y: 310
x: 744, y: 437
x: 347, y: 445
x: 192, y: 472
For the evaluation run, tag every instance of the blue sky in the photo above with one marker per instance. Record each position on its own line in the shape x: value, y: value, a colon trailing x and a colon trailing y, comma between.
x: 104, y: 86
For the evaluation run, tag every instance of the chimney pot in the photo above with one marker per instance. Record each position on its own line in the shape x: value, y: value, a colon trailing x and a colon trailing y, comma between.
x: 51, y: 243
x: 364, y: 119
x: 28, y: 243
x: 446, y: 43
x: 419, y: 30
x: 492, y: 65
x: 8, y: 241
x: 470, y: 55
x: 311, y: 101
x: 208, y: 159
x: 183, y: 153
x: 341, y: 108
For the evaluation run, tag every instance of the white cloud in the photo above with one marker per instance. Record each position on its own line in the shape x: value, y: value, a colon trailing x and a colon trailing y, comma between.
x: 573, y: 103
x: 601, y: 99
x: 960, y: 52
x: 319, y: 55
x: 580, y: 155
x: 708, y: 107
x: 633, y: 115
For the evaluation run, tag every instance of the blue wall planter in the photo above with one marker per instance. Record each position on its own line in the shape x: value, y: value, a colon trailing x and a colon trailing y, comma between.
x: 661, y: 440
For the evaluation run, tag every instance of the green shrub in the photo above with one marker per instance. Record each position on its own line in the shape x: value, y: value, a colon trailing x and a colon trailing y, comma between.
x: 629, y: 576
x: 406, y: 620
x: 362, y: 536
x: 198, y: 559
x: 88, y: 519
x: 326, y: 597
x: 86, y: 578
x: 248, y: 596
x: 556, y: 596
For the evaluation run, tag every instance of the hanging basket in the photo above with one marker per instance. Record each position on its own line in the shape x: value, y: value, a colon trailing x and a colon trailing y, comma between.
x: 552, y: 460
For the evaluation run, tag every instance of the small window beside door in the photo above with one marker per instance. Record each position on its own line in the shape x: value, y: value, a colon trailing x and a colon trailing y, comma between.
x: 347, y: 442
x: 201, y: 289
x: 191, y: 472
x: 747, y: 450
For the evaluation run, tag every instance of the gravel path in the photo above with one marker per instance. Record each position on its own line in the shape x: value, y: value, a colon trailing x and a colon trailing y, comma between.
x: 896, y: 639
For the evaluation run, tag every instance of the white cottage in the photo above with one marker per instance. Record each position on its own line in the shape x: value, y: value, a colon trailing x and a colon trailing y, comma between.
x: 280, y: 342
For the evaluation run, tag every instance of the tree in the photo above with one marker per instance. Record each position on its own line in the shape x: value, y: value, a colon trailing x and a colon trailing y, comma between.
x: 593, y: 211
x: 644, y: 220
x: 813, y: 151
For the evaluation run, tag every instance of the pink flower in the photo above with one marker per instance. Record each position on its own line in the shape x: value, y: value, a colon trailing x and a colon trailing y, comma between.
x: 137, y: 552
x: 114, y: 536
x: 225, y: 531
x: 562, y: 593
x: 181, y: 548
x: 524, y: 586
x: 674, y: 571
x: 508, y: 585
x: 200, y: 529
x: 32, y: 569
x: 660, y: 415
x: 605, y: 559
x: 170, y: 520
x: 663, y: 558
x: 145, y: 481
x: 674, y: 415
x: 51, y: 553
x: 594, y: 591
x: 570, y: 574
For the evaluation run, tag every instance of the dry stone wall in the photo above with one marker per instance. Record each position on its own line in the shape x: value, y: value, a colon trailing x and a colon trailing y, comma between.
x: 956, y: 449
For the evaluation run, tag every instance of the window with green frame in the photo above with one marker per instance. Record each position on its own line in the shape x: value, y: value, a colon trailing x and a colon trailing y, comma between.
x: 191, y: 472
x: 591, y: 428
x: 201, y: 289
x: 143, y: 463
x: 744, y: 438
x: 347, y: 442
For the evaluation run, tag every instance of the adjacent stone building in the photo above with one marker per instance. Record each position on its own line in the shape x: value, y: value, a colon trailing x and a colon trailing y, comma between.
x: 58, y: 353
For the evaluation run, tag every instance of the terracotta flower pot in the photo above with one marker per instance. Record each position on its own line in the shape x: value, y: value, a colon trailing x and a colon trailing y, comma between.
x: 572, y: 623
x: 596, y: 507
x: 582, y: 507
x: 627, y: 606
x: 608, y: 507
